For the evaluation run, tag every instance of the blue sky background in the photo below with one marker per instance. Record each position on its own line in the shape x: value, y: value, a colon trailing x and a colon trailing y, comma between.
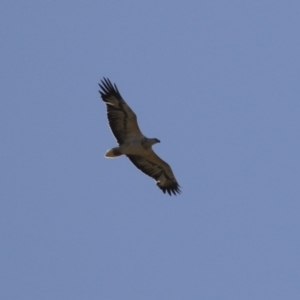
x: 218, y: 83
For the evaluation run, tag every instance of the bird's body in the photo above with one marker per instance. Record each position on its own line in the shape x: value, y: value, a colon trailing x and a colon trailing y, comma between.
x: 132, y: 146
x: 132, y: 143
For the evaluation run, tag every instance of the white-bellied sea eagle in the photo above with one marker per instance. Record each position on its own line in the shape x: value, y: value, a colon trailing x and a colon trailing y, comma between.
x: 132, y: 143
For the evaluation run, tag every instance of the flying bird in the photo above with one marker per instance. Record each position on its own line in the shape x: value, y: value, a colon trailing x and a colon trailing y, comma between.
x: 132, y: 143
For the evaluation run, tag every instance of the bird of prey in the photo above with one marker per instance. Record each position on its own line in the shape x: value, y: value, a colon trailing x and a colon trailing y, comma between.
x: 132, y: 143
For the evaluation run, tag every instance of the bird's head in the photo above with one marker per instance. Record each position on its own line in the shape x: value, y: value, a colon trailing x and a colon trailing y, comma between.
x: 154, y: 141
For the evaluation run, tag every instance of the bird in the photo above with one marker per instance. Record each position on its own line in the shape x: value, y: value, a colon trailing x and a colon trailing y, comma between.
x: 132, y: 143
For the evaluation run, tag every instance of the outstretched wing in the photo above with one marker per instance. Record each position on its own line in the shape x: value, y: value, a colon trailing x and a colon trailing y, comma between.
x: 122, y: 119
x: 155, y: 167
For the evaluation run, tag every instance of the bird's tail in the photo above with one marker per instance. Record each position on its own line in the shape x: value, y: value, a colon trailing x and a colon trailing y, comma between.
x: 113, y: 152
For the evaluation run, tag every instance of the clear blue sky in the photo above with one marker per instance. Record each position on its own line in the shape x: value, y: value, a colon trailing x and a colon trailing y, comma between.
x: 218, y: 82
